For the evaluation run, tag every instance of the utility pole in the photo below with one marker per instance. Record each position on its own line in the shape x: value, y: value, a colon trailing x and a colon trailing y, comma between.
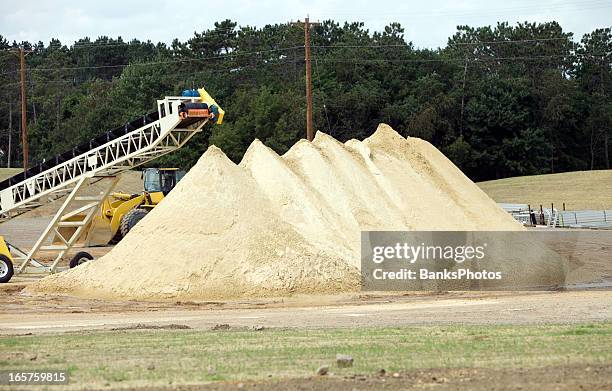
x: 24, y: 129
x: 603, y: 95
x: 309, y: 125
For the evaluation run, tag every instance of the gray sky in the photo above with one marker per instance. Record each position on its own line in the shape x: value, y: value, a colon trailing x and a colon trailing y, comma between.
x: 427, y: 23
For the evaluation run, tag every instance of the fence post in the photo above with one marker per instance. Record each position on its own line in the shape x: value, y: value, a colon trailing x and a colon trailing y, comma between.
x: 541, y: 215
x: 552, y: 212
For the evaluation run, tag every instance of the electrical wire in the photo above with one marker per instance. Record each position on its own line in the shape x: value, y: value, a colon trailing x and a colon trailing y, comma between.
x: 329, y: 129
x: 361, y: 60
x: 224, y: 56
x: 450, y: 43
x: 233, y: 69
x: 476, y: 59
x: 233, y: 55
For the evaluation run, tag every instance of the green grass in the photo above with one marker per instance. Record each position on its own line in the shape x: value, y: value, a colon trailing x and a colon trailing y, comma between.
x: 8, y: 172
x: 579, y: 190
x: 182, y: 356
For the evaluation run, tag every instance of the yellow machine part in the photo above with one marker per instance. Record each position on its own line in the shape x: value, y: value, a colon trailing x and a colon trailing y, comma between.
x: 206, y: 98
x: 4, y: 249
x: 105, y: 225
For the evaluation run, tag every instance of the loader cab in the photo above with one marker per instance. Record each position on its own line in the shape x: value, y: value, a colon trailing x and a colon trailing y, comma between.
x: 161, y: 179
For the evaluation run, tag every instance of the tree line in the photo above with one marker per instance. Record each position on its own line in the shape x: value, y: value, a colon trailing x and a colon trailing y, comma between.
x: 504, y: 100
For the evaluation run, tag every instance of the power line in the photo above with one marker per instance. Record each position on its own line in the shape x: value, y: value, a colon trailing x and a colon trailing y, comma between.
x: 329, y: 130
x: 7, y: 55
x: 352, y: 60
x: 296, y: 47
x: 452, y: 43
x: 228, y: 56
x: 231, y: 56
x: 224, y: 56
x: 490, y: 58
x: 518, y: 41
x: 32, y: 83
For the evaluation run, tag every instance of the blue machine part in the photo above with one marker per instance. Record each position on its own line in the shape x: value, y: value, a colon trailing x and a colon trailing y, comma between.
x: 190, y: 93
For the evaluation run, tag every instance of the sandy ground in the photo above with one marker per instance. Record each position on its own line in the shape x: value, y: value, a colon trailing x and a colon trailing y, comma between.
x: 23, y: 231
x: 24, y: 314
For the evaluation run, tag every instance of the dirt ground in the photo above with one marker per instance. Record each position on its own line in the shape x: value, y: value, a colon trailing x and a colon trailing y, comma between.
x: 574, y: 377
x: 35, y: 314
x: 25, y: 314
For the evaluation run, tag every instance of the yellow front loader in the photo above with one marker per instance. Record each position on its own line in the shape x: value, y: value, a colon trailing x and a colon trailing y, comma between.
x: 120, y: 212
x: 6, y: 262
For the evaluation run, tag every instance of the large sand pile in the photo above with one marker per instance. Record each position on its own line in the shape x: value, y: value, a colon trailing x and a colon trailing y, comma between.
x: 275, y: 225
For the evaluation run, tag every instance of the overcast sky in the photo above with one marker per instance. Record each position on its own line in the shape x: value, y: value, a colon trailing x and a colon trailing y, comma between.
x: 427, y: 23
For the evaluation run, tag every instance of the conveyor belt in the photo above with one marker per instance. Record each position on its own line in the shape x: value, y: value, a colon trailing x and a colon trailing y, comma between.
x: 82, y: 148
x: 137, y: 142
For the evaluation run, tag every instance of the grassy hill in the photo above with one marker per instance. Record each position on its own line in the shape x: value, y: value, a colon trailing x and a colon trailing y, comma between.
x: 8, y: 172
x: 578, y: 189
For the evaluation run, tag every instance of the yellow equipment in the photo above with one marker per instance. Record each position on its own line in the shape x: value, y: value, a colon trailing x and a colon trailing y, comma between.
x: 120, y: 212
x: 6, y: 262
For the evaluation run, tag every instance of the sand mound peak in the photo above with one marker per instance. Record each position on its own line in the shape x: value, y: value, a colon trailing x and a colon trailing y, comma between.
x: 321, y: 135
x: 256, y: 150
x: 358, y: 146
x: 299, y: 148
x: 385, y: 135
x: 255, y: 144
x: 213, y: 152
x: 275, y: 225
x: 321, y: 139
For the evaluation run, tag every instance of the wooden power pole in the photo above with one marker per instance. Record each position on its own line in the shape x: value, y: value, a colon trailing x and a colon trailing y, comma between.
x: 309, y: 125
x: 24, y: 129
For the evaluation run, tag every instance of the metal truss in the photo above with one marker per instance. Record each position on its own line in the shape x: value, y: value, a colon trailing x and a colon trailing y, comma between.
x: 128, y: 151
x: 76, y: 212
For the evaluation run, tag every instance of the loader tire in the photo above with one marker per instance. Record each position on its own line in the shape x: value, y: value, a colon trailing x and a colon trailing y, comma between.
x: 6, y: 269
x: 80, y: 258
x: 130, y: 219
x: 117, y: 238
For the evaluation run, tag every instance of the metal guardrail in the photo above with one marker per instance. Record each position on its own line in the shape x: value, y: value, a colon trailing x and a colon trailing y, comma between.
x: 585, y: 219
x: 512, y: 208
x: 601, y: 219
x: 519, y: 211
